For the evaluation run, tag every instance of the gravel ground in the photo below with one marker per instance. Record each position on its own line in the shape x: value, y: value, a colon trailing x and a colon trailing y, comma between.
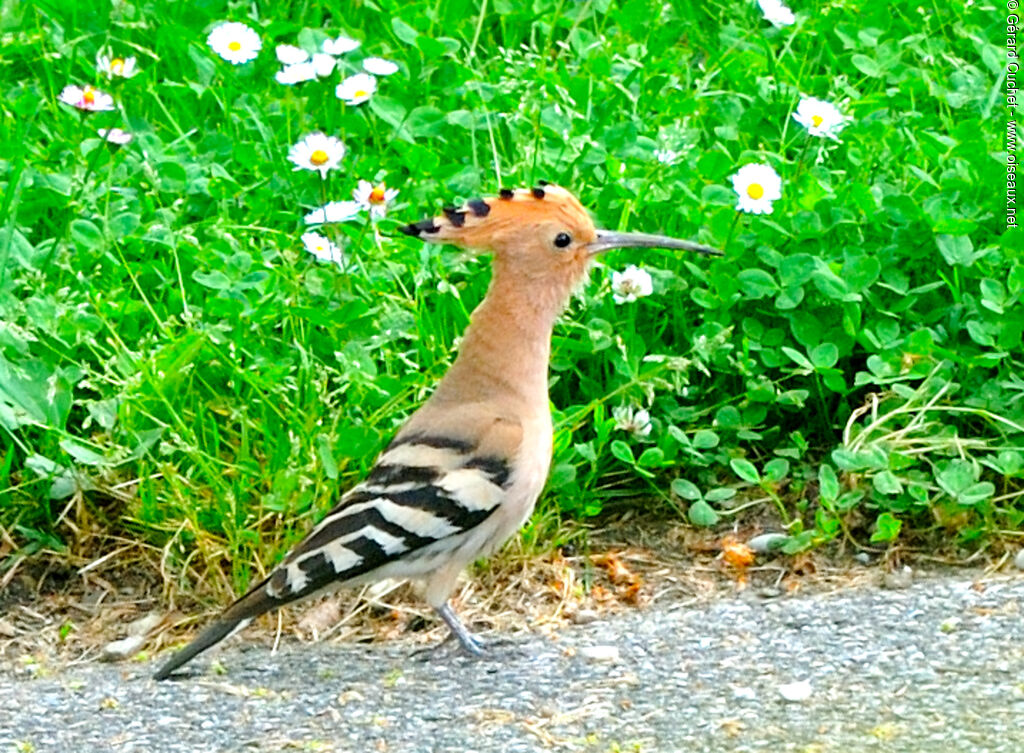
x: 936, y: 667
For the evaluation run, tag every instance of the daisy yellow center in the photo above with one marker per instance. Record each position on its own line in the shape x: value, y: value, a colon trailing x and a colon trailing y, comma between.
x: 755, y: 190
x: 117, y: 65
x: 318, y: 157
x: 358, y: 93
x: 234, y: 46
x: 817, y: 120
x: 88, y: 96
x: 377, y: 195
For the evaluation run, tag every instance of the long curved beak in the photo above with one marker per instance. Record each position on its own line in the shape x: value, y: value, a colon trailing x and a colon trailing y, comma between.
x: 607, y: 240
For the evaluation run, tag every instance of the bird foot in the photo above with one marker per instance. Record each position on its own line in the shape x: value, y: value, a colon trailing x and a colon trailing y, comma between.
x: 466, y: 643
x: 450, y: 648
x: 493, y: 649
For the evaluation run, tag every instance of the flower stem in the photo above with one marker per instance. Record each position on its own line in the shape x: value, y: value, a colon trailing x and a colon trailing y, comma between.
x: 732, y: 228
x: 800, y: 159
x: 359, y: 244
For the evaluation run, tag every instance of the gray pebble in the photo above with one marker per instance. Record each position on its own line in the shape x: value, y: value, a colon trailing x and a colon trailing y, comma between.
x: 584, y: 617
x: 144, y: 625
x: 900, y: 579
x: 600, y: 653
x: 122, y: 649
x: 768, y: 542
x: 796, y: 692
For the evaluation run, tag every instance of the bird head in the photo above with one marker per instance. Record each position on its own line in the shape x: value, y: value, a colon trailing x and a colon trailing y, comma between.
x: 540, y: 235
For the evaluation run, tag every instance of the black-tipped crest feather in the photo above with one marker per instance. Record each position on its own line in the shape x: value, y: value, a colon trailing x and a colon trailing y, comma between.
x: 479, y: 207
x: 455, y: 216
x: 416, y: 228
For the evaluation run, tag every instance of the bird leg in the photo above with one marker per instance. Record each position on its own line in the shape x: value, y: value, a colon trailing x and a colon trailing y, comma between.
x: 469, y: 644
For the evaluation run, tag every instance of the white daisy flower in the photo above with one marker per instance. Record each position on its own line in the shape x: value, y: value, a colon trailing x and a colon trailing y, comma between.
x: 335, y: 211
x: 820, y: 118
x: 776, y: 13
x: 296, y: 73
x: 322, y: 248
x: 632, y: 284
x: 289, y: 54
x: 379, y: 66
x: 757, y: 186
x: 87, y: 98
x: 666, y: 156
x: 235, y: 42
x: 339, y: 46
x: 111, y: 67
x: 637, y: 422
x: 374, y: 199
x: 356, y: 89
x: 115, y: 136
x: 317, y: 151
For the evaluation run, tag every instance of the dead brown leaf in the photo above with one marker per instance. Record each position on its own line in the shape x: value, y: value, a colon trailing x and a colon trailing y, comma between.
x: 736, y: 553
x: 618, y: 572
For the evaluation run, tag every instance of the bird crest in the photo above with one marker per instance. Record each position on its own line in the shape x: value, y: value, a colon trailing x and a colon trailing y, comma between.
x: 484, y: 223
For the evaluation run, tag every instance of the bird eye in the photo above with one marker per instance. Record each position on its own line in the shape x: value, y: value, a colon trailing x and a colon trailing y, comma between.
x: 562, y: 240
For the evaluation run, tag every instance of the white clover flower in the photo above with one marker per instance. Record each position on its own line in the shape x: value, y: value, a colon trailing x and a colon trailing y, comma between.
x: 757, y: 186
x: 296, y: 73
x: 87, y: 98
x: 631, y: 284
x: 111, y: 67
x: 334, y: 211
x: 637, y: 422
x: 374, y: 199
x: 115, y: 136
x: 289, y: 54
x: 356, y: 89
x: 379, y: 66
x: 776, y: 13
x: 322, y: 248
x: 317, y: 151
x: 820, y: 118
x: 300, y: 66
x: 235, y: 42
x: 666, y: 156
x: 339, y: 46
x: 323, y: 64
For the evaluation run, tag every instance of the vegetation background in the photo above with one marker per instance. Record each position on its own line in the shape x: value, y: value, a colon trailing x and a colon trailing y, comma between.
x: 176, y: 370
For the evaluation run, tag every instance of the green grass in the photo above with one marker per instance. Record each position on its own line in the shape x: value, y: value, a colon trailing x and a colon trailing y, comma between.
x: 176, y: 369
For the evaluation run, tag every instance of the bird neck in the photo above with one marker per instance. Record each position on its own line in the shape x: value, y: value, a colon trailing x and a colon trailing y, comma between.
x: 505, y: 350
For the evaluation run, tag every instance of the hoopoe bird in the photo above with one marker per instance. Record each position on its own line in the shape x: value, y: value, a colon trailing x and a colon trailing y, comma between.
x: 465, y: 471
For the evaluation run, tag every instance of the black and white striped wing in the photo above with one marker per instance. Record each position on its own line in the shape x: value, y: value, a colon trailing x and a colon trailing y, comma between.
x: 422, y: 492
x: 421, y: 498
